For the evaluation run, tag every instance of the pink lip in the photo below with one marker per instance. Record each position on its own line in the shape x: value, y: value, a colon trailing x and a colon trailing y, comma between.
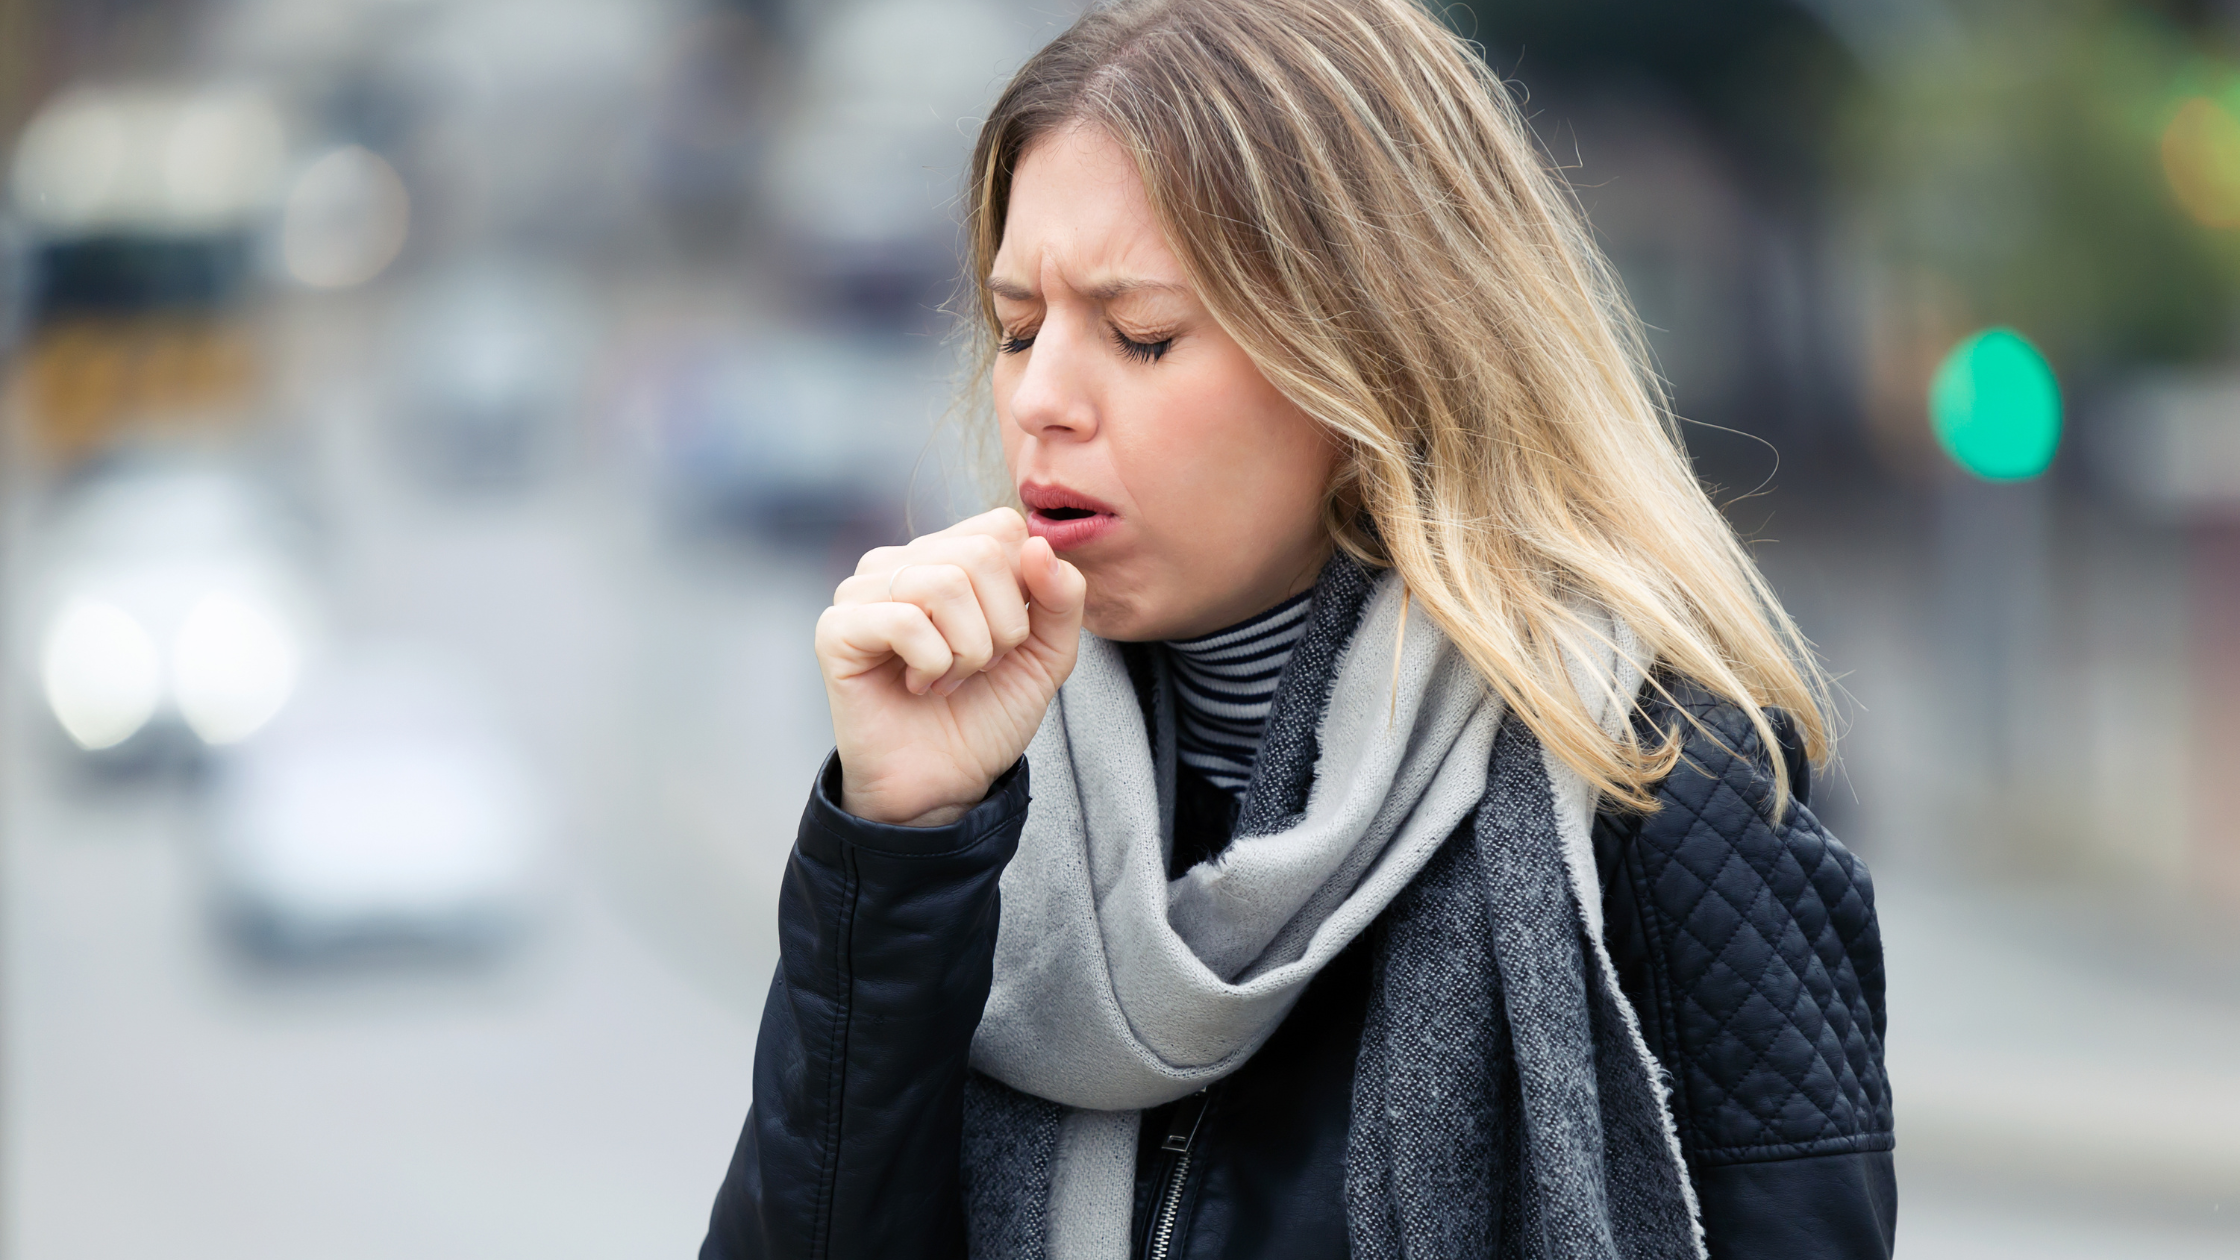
x: 1065, y: 533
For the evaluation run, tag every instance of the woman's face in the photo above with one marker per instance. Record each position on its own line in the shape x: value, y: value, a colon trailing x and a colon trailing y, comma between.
x: 1145, y: 445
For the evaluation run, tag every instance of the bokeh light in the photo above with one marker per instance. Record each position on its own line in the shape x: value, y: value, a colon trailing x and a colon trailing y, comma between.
x: 232, y: 667
x: 345, y: 220
x: 1996, y: 406
x: 2201, y: 157
x: 149, y: 160
x: 102, y: 674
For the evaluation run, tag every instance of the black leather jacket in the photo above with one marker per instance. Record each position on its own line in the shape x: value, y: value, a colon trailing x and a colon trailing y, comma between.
x: 1749, y: 950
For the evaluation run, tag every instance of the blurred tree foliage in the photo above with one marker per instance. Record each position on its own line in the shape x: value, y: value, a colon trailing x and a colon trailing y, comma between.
x: 2019, y: 168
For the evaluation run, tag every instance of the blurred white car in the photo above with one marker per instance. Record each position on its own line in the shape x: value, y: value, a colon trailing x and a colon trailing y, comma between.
x: 167, y: 596
x: 794, y: 438
x: 356, y: 797
x: 386, y: 807
x: 491, y: 356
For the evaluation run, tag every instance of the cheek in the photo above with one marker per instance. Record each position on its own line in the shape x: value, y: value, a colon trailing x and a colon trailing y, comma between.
x: 1001, y: 382
x: 1000, y: 385
x: 1221, y: 442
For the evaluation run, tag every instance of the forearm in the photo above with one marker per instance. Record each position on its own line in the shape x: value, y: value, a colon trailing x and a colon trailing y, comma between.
x: 1818, y: 1207
x: 886, y: 943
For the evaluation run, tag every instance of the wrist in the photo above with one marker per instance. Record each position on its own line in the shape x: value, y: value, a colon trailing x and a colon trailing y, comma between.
x: 870, y: 808
x: 940, y: 817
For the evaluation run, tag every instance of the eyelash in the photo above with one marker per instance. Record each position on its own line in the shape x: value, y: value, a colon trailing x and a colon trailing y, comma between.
x: 1140, y: 351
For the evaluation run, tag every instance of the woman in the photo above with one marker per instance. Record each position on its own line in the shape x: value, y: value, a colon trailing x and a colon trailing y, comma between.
x: 1418, y: 862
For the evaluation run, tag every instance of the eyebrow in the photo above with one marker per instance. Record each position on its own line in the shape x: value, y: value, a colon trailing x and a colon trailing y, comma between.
x: 1105, y: 292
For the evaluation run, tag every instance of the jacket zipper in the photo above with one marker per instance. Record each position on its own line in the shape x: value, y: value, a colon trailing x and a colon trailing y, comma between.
x: 1182, y: 1134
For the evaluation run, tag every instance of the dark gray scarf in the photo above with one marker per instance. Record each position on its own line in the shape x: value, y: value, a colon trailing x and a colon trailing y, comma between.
x: 1504, y: 1102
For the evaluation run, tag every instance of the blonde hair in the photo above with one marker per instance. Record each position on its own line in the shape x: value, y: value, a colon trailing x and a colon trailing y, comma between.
x: 1361, y: 206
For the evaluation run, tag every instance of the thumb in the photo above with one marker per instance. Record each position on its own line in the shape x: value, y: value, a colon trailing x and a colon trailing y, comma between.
x: 1057, y: 594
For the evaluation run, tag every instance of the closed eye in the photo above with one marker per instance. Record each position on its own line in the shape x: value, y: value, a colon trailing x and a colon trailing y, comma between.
x: 1141, y: 351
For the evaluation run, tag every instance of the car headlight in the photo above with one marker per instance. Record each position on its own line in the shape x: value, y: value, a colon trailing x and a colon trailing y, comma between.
x: 102, y: 674
x: 233, y: 665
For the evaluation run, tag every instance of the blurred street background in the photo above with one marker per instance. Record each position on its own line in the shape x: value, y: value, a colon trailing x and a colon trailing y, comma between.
x: 432, y: 427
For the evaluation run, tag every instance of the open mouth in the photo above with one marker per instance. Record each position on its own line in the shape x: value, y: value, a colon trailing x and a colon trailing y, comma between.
x: 1063, y: 518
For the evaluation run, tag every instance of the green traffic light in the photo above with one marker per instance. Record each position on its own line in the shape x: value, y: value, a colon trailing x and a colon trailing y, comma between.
x: 1996, y: 406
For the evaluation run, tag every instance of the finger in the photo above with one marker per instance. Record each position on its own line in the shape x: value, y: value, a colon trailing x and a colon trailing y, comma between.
x: 1060, y: 594
x: 867, y: 588
x: 1003, y: 524
x: 857, y: 640
x: 947, y: 595
x: 881, y: 560
x: 986, y: 561
x: 993, y: 567
x: 875, y: 571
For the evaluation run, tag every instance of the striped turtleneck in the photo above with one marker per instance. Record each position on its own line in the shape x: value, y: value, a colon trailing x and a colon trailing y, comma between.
x: 1225, y: 683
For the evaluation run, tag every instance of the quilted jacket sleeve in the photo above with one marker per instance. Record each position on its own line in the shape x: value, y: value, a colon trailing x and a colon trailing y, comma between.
x: 886, y: 943
x: 1750, y: 949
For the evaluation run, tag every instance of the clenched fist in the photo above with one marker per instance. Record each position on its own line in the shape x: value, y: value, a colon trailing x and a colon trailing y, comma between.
x: 940, y: 658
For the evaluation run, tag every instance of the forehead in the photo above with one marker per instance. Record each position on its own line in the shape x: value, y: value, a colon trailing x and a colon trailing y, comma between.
x: 1078, y: 215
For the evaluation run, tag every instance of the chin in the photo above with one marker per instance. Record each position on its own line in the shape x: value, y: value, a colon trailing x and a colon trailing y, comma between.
x: 1112, y: 620
x: 1118, y: 616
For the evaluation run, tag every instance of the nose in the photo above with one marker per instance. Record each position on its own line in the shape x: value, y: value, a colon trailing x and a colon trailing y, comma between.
x: 1054, y: 398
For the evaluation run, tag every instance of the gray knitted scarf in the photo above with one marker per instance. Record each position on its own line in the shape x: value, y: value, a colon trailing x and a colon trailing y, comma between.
x: 1505, y: 1104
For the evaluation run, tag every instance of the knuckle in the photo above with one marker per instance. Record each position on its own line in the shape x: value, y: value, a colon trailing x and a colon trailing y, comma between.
x: 831, y: 633
x: 878, y: 560
x: 937, y: 651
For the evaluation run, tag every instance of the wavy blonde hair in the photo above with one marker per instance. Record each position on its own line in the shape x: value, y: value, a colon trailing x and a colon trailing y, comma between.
x: 1361, y: 206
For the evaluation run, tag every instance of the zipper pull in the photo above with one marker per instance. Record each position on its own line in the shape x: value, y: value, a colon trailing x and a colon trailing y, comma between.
x: 1182, y: 1126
